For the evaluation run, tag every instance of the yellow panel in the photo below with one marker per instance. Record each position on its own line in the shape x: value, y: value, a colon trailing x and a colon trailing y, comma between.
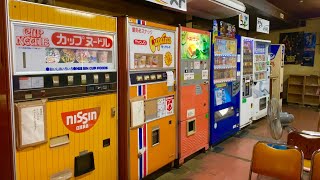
x: 133, y: 154
x: 44, y: 14
x: 164, y: 152
x: 38, y: 13
x: 41, y: 162
x: 25, y: 11
x: 30, y: 15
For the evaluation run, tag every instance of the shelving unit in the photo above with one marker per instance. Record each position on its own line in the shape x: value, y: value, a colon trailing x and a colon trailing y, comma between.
x: 304, y: 90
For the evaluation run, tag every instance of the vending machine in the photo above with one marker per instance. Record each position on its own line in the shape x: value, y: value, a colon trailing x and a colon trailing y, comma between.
x: 148, y: 60
x: 246, y: 83
x: 276, y: 76
x: 194, y: 67
x: 261, y: 78
x: 224, y: 90
x: 64, y: 79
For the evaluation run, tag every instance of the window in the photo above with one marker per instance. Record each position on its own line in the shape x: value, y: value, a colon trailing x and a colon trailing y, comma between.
x: 155, y: 136
x: 191, y: 127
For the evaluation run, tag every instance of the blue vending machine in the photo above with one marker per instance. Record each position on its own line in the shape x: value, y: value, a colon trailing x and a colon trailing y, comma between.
x: 224, y: 90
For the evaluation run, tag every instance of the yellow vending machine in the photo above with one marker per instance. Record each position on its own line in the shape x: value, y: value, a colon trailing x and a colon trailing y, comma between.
x: 64, y: 78
x: 148, y: 59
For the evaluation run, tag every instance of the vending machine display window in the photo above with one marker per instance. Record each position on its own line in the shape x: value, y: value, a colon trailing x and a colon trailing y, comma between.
x: 222, y: 95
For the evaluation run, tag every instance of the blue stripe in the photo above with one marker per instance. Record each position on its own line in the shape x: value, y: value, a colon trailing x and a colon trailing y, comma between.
x: 139, y: 21
x: 140, y: 158
x: 140, y: 164
x: 140, y: 138
x: 139, y: 90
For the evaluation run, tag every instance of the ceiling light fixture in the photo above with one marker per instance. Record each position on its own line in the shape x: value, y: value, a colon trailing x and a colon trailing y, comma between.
x: 301, y: 1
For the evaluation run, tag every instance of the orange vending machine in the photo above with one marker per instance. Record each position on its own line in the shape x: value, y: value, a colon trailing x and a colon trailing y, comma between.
x: 194, y: 66
x: 148, y: 59
x: 64, y: 79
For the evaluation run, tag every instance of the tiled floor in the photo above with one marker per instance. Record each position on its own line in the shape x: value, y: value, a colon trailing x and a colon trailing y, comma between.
x: 233, y: 163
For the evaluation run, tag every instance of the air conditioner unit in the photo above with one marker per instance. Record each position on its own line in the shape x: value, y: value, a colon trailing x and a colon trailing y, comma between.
x: 215, y: 9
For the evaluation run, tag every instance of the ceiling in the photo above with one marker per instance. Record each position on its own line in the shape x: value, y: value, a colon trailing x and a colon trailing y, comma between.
x: 300, y: 10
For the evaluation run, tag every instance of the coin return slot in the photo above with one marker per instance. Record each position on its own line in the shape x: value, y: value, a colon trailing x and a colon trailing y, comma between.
x: 191, y: 127
x: 155, y: 136
x: 59, y: 141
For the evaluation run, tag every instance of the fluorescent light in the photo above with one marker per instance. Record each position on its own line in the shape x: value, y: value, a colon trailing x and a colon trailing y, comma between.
x: 78, y: 13
x: 233, y: 4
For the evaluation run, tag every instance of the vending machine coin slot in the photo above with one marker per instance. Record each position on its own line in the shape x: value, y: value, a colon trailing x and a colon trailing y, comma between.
x: 106, y: 142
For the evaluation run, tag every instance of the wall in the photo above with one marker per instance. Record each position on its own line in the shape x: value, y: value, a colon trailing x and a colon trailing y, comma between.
x: 312, y: 25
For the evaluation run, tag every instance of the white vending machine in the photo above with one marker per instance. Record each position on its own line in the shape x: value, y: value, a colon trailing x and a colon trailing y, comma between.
x: 261, y: 78
x: 277, y: 52
x: 246, y: 98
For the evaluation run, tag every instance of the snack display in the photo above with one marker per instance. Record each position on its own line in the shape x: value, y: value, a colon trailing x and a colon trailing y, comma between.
x: 67, y: 56
x: 52, y: 55
x: 93, y: 56
x: 260, y: 76
x: 146, y: 61
x: 102, y: 56
x: 230, y: 61
x: 82, y: 56
x: 260, y: 66
x: 225, y: 60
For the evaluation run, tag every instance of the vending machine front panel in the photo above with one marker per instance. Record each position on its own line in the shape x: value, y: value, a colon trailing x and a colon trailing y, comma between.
x: 224, y: 90
x: 152, y: 55
x: 194, y: 68
x: 64, y: 78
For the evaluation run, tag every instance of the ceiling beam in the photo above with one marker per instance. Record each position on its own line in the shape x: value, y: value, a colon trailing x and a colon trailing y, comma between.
x: 267, y: 9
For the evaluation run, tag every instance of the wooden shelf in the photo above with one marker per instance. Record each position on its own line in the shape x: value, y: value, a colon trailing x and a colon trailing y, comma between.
x: 303, y: 90
x: 295, y: 84
x: 310, y: 94
x: 312, y: 85
x: 296, y: 93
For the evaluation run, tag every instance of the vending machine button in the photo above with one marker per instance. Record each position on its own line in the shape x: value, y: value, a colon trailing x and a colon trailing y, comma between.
x: 83, y: 79
x: 107, y: 78
x: 55, y: 81
x: 70, y: 80
x: 96, y: 79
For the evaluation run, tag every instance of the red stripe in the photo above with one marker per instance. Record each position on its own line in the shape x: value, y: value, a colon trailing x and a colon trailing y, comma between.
x: 144, y: 91
x: 145, y: 152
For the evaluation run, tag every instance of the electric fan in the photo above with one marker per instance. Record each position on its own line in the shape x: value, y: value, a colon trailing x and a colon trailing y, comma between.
x: 277, y: 120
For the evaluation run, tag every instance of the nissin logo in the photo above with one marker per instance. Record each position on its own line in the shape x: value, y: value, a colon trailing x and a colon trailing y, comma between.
x: 81, y: 120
